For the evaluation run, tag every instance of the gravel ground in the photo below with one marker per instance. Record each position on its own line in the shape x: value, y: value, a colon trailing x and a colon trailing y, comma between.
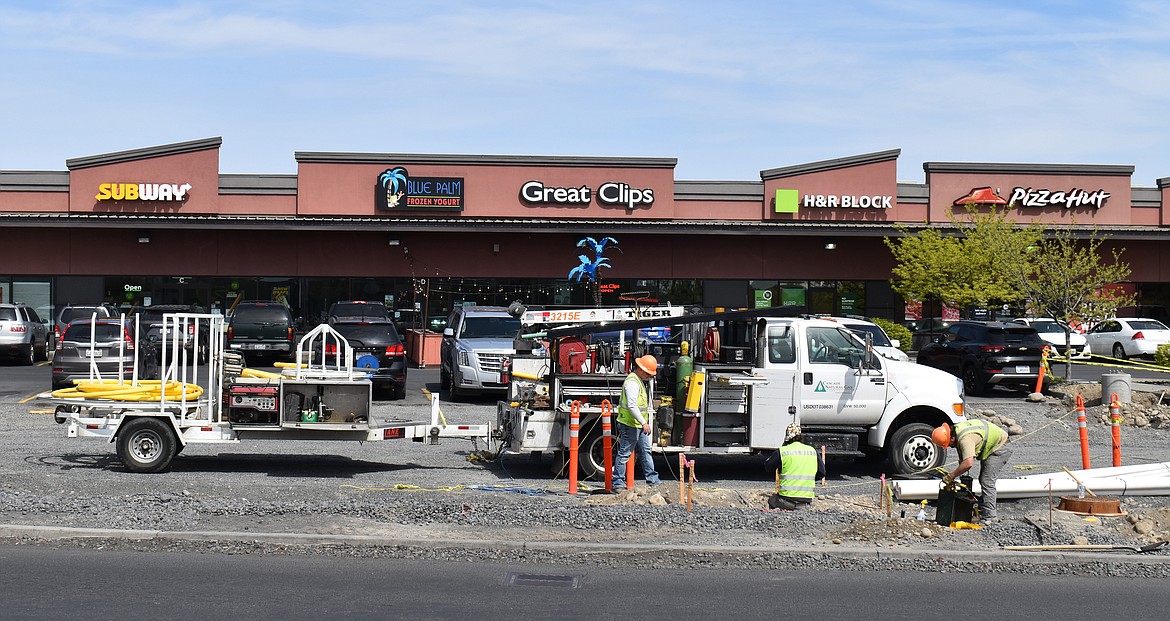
x: 397, y: 496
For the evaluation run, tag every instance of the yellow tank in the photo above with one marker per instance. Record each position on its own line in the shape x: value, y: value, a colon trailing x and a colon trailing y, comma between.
x: 695, y: 391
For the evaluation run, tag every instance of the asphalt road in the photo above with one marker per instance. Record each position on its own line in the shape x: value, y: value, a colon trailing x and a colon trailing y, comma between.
x: 45, y: 583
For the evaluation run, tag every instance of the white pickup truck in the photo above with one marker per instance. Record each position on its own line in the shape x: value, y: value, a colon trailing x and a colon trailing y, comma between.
x: 810, y: 371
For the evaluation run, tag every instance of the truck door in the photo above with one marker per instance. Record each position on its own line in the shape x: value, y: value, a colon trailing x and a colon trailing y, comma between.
x: 835, y: 389
x: 772, y: 403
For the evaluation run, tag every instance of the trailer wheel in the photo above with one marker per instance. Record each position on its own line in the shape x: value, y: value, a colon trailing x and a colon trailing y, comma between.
x: 911, y: 449
x: 146, y: 445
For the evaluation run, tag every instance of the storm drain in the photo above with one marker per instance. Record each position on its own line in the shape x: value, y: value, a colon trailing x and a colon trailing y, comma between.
x: 556, y: 581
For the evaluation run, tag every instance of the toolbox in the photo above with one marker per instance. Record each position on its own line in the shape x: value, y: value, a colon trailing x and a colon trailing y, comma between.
x: 954, y: 506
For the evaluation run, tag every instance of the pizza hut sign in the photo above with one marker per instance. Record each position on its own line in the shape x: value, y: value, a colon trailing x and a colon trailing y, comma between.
x: 1068, y: 199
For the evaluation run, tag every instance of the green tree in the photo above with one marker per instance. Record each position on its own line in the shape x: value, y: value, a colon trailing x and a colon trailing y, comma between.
x: 963, y: 268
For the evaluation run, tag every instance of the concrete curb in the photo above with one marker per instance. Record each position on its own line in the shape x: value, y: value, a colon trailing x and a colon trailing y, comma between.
x: 981, y: 557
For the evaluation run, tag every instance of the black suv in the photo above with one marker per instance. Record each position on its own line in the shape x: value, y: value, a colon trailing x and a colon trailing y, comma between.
x: 986, y: 354
x: 262, y: 328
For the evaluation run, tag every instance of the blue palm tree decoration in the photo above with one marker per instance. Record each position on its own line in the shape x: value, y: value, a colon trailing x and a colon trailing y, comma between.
x: 588, y: 267
x: 394, y: 180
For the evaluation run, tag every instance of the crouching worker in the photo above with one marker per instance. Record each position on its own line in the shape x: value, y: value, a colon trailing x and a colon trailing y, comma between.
x: 797, y: 467
x: 977, y: 439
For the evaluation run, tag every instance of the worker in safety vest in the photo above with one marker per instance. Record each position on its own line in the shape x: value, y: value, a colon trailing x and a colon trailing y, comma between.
x: 633, y: 422
x: 798, y: 466
x: 977, y: 439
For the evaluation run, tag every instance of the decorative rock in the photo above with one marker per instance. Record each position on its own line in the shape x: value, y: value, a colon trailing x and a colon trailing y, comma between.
x: 1036, y: 397
x: 1140, y: 420
x: 1080, y: 540
x: 837, y: 541
x: 926, y: 533
x: 1015, y: 430
x: 1143, y: 527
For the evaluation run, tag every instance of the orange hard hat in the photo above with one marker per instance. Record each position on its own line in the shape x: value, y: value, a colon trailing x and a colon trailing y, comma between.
x: 941, y: 435
x: 648, y: 363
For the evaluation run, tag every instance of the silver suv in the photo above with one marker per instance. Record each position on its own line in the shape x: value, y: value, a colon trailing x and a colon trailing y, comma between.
x: 23, y: 334
x: 476, y: 341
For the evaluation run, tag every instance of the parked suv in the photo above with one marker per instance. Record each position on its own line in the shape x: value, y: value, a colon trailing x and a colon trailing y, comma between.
x: 475, y: 343
x: 107, y: 344
x: 986, y: 354
x: 23, y: 334
x: 264, y: 328
x: 73, y: 312
x: 882, y: 343
x: 150, y: 323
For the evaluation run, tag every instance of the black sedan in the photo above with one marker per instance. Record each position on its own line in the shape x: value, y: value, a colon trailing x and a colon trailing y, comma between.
x: 377, y: 347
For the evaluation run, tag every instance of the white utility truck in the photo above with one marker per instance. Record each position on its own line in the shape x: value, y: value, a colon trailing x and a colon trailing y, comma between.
x: 809, y: 371
x: 322, y: 397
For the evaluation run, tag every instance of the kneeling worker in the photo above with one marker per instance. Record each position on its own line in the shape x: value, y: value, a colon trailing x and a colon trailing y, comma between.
x: 977, y: 439
x: 798, y: 466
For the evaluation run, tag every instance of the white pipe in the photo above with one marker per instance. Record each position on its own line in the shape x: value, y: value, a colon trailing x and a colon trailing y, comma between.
x: 1036, y: 488
x: 1144, y: 469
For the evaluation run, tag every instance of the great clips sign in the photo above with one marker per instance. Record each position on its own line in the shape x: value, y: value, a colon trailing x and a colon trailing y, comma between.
x: 609, y: 194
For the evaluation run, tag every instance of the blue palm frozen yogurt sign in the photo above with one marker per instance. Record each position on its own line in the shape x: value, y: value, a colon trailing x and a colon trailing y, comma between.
x: 396, y: 190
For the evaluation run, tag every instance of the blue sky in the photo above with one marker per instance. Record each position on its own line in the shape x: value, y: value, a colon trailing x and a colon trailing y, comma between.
x: 729, y: 88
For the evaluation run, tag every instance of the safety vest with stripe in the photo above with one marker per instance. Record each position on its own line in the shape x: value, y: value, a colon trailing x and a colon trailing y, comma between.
x: 626, y: 417
x: 798, y: 470
x: 990, y: 432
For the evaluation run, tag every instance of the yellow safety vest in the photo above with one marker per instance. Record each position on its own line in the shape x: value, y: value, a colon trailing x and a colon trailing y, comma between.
x: 798, y: 470
x: 626, y: 417
x: 990, y: 432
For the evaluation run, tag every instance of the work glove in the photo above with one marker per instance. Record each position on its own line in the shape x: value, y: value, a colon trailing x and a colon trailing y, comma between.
x: 947, y: 480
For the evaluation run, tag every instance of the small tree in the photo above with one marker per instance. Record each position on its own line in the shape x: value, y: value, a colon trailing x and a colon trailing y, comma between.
x: 1065, y: 278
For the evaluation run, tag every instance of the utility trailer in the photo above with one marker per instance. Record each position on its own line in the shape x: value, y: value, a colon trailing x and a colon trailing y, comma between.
x: 809, y: 371
x: 321, y: 397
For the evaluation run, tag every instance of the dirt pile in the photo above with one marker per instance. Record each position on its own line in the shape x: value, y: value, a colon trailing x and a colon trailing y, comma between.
x: 1145, y: 409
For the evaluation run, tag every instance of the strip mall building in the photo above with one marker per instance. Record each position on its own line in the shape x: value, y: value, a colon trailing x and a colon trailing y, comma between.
x: 430, y: 232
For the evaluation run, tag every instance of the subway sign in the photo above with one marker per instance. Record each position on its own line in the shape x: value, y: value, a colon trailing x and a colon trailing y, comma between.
x: 609, y: 194
x: 174, y: 192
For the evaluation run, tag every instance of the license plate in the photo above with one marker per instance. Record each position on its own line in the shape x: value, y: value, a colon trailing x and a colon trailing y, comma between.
x: 92, y: 353
x: 260, y: 346
x: 1023, y: 368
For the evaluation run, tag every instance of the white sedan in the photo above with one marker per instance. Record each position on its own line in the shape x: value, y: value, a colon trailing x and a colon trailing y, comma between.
x: 1052, y: 332
x: 1123, y: 338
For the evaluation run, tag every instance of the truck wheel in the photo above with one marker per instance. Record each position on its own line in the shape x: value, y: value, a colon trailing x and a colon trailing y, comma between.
x: 972, y: 382
x: 146, y: 445
x: 591, y: 454
x: 911, y: 449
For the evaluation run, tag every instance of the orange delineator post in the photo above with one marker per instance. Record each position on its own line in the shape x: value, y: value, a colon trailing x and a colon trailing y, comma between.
x: 1083, y: 424
x: 574, y: 430
x: 630, y: 469
x: 1115, y: 421
x: 607, y: 440
x: 1043, y: 369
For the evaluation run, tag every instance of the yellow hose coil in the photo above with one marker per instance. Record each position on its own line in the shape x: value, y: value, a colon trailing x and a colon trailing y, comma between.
x: 146, y: 390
